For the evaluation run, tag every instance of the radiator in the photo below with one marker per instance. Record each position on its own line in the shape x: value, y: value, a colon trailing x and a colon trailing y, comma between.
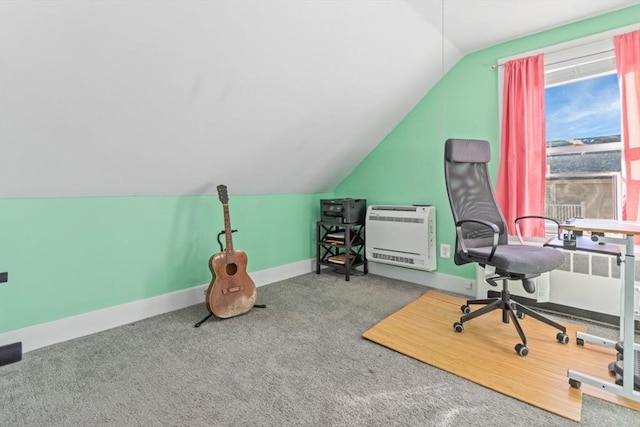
x: 404, y: 236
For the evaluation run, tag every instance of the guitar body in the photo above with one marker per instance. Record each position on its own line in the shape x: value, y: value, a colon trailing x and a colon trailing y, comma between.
x: 231, y: 292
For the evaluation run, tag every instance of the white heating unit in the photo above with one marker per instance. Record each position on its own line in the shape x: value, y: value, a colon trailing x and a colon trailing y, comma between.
x: 404, y: 236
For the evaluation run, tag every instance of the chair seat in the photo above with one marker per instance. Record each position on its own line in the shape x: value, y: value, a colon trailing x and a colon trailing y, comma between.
x: 521, y: 259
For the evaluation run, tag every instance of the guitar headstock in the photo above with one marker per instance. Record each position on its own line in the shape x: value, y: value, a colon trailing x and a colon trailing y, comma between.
x: 222, y: 194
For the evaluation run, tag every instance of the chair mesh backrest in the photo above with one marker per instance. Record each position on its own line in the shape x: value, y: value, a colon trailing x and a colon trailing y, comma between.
x: 470, y: 193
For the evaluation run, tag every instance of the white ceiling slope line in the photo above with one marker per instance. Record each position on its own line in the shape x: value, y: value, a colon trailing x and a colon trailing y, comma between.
x: 473, y: 25
x: 170, y: 97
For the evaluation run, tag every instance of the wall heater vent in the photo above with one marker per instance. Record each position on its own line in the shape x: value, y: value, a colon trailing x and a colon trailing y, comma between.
x: 404, y: 236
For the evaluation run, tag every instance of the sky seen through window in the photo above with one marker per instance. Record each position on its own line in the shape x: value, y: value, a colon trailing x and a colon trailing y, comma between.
x: 583, y: 109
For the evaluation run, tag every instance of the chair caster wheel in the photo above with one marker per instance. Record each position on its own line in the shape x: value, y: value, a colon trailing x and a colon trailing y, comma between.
x: 574, y: 383
x: 465, y: 309
x: 519, y: 315
x: 562, y: 338
x: 522, y: 349
x: 579, y: 341
x: 458, y: 327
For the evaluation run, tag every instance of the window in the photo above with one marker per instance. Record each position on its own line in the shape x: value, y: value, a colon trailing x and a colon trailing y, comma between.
x: 584, y: 147
x: 584, y: 158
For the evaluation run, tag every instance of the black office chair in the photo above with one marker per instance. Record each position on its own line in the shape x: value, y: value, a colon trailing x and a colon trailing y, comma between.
x: 481, y: 237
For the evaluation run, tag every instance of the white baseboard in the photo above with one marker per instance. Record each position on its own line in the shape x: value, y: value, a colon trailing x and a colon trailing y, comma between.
x: 44, y: 334
x: 282, y: 272
x: 433, y: 279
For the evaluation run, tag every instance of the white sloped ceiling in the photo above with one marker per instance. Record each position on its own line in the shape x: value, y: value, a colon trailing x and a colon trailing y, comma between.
x: 107, y: 98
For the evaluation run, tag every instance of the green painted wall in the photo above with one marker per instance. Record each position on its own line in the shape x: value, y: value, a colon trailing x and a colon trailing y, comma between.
x: 74, y: 255
x: 407, y: 166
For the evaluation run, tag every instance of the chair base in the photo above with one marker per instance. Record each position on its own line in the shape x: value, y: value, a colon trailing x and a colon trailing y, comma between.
x: 511, y: 310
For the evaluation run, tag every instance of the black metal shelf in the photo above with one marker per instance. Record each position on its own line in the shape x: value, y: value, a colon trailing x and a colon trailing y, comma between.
x: 340, y: 246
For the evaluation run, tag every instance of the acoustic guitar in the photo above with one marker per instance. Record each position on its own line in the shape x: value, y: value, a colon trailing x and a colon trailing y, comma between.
x: 231, y: 292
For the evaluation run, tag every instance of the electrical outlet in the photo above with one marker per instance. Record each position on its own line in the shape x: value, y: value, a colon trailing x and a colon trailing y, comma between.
x: 468, y: 285
x: 445, y: 250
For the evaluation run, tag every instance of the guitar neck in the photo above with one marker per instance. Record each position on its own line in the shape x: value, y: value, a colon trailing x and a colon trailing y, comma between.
x: 227, y: 230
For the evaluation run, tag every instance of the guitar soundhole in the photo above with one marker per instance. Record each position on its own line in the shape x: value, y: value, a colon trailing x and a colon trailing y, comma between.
x: 231, y: 269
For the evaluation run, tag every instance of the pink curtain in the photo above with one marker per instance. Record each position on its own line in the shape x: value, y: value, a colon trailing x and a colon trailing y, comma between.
x: 627, y: 47
x: 522, y: 172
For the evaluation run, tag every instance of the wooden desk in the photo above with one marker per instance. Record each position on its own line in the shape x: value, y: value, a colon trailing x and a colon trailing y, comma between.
x: 627, y: 230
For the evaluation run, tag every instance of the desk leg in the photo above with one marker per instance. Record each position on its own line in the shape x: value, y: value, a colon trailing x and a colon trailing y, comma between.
x: 582, y: 338
x: 628, y: 313
x: 604, y: 385
x: 626, y: 334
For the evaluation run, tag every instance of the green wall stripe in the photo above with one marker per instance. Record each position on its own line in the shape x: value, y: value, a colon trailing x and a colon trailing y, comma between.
x: 74, y: 255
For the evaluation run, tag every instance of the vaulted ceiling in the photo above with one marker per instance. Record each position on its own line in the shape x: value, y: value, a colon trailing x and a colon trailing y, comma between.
x: 162, y: 97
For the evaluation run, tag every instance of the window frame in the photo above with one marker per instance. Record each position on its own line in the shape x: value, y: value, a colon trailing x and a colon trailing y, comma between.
x: 603, y: 70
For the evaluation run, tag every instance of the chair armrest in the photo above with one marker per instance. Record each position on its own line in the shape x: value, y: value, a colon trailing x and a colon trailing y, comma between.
x: 546, y: 218
x: 494, y: 228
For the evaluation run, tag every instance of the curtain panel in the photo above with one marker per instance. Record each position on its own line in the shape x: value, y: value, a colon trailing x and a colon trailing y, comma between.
x: 521, y: 182
x: 627, y: 48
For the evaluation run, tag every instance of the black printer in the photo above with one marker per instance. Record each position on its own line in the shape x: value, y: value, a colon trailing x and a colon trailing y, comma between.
x: 343, y: 211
